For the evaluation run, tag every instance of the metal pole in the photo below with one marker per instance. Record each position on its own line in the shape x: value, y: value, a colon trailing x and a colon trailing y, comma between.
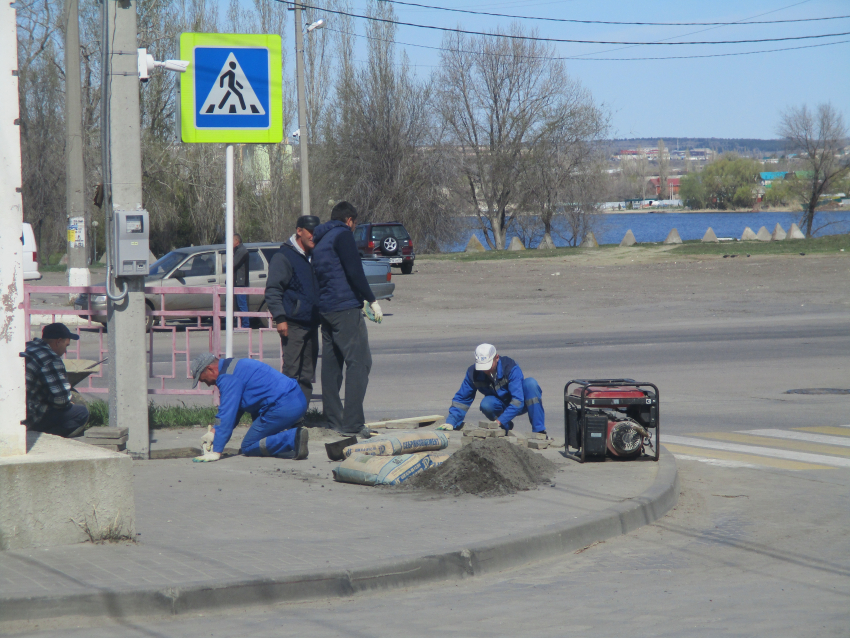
x: 128, y: 393
x: 75, y: 206
x: 13, y: 434
x: 302, y: 112
x: 228, y: 190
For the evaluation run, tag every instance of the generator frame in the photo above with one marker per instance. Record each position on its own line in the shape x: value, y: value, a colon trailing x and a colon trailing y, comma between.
x: 611, y: 403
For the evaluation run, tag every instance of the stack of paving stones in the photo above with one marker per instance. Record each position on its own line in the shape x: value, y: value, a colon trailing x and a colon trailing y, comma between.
x: 534, y: 440
x: 113, y: 439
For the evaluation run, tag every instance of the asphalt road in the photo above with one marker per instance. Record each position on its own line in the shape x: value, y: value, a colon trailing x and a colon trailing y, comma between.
x: 759, y: 544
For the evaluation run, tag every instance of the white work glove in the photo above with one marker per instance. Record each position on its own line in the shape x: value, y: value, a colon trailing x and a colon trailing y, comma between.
x: 373, y: 311
x: 208, y: 457
x: 446, y: 426
x: 207, y: 440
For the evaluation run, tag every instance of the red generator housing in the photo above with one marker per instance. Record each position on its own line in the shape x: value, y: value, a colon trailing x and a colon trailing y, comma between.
x: 611, y: 417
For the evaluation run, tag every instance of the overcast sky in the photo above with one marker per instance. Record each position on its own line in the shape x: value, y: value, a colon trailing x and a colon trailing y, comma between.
x: 739, y: 96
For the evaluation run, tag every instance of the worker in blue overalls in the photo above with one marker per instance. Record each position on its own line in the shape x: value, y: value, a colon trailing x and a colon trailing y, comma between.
x: 275, y: 402
x: 507, y: 393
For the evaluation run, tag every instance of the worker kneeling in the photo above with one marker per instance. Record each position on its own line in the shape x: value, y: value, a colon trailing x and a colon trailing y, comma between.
x: 507, y: 393
x: 274, y: 401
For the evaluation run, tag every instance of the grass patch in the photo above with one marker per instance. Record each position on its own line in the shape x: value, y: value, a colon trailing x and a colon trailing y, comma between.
x: 815, y: 245
x: 531, y: 253
x: 163, y: 416
x: 52, y: 268
x: 314, y: 415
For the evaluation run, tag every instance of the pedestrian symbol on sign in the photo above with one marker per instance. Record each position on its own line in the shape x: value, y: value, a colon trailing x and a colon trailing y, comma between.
x: 232, y: 93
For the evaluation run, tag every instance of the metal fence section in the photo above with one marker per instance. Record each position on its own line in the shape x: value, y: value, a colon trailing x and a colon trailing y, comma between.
x: 194, y: 323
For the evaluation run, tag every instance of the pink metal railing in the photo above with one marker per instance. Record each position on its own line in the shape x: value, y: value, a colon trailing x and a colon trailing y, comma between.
x: 159, y: 328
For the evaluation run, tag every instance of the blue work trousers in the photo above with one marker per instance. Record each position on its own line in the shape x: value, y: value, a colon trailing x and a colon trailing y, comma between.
x: 242, y: 306
x: 273, y: 433
x: 492, y: 406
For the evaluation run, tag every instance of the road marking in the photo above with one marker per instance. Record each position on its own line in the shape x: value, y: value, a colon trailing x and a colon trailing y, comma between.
x: 801, y: 446
x: 801, y: 436
x: 735, y: 459
x: 840, y: 430
x: 817, y: 459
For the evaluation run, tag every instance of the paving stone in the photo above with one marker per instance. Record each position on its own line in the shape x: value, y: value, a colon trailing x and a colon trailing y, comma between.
x: 537, y: 444
x: 106, y: 433
x: 537, y: 435
x: 481, y: 434
x: 105, y: 441
x: 489, y: 425
x: 497, y: 432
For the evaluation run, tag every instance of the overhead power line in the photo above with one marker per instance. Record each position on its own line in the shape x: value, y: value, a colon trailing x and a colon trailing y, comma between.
x: 582, y: 59
x: 610, y: 22
x: 564, y: 40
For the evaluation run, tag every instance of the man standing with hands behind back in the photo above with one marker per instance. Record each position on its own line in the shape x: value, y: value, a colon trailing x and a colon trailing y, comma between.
x: 344, y: 297
x: 292, y: 299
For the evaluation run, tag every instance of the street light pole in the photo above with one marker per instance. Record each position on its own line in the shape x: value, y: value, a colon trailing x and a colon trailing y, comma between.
x: 302, y: 112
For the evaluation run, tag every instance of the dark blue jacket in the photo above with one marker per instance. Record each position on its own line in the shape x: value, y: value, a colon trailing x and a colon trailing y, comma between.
x: 292, y: 289
x: 248, y: 385
x: 339, y: 271
x: 507, y: 386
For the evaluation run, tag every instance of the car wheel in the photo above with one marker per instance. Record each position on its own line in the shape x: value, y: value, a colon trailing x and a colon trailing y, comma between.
x: 407, y: 268
x: 389, y: 246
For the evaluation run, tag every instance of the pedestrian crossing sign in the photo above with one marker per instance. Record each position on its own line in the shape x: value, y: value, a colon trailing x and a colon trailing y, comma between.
x: 231, y: 92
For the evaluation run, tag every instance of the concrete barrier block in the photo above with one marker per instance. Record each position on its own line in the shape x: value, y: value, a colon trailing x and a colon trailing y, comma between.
x: 710, y: 236
x: 516, y: 244
x: 748, y: 234
x: 546, y: 243
x: 763, y: 234
x: 778, y: 233
x: 673, y: 238
x: 475, y: 245
x: 589, y: 241
x: 63, y: 492
x: 795, y: 233
x: 628, y: 239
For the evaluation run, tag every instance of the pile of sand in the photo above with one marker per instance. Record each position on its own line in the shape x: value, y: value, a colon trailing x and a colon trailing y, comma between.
x: 487, y: 467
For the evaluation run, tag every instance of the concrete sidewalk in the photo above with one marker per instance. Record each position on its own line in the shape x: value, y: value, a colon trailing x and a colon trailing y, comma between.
x: 248, y: 531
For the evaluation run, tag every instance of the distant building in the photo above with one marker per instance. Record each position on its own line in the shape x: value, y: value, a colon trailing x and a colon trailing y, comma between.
x: 767, y: 177
x: 672, y: 186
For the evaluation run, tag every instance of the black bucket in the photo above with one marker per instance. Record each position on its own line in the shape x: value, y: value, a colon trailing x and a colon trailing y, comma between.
x: 335, y: 449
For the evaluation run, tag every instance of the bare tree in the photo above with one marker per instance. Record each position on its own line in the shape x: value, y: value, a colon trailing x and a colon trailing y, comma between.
x: 564, y: 174
x: 500, y: 96
x: 818, y: 136
x: 663, y: 170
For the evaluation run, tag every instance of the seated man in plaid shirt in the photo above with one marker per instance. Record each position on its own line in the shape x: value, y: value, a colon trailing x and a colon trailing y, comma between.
x: 49, y: 407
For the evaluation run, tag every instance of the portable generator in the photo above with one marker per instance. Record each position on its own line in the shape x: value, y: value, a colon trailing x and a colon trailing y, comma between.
x: 616, y: 417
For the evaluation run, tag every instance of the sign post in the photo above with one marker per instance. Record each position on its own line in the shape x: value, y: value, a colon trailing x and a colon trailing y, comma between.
x: 231, y: 93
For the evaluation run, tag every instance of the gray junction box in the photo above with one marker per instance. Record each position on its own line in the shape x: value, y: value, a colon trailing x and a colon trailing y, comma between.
x: 132, y: 245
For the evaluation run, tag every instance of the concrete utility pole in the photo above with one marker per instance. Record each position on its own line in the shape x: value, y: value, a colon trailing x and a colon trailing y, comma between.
x: 13, y: 406
x: 302, y: 112
x: 75, y: 205
x: 128, y: 392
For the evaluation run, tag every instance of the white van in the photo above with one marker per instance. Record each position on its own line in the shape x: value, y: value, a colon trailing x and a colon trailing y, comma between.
x: 30, y: 256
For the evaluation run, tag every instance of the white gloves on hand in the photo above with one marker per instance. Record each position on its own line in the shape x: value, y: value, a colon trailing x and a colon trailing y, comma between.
x: 207, y: 440
x: 208, y: 457
x: 446, y: 426
x: 373, y: 311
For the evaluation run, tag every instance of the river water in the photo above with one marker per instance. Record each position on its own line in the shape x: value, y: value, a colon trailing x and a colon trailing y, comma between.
x: 654, y: 227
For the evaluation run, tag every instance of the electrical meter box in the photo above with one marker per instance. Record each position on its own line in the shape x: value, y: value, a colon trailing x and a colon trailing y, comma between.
x: 131, y: 243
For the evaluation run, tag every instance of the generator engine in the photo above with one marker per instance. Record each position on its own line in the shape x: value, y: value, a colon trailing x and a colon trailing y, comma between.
x: 611, y: 417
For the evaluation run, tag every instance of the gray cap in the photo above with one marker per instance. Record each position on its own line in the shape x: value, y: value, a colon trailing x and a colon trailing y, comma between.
x: 199, y: 364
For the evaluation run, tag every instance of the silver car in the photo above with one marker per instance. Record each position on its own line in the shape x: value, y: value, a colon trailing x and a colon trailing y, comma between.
x: 206, y: 266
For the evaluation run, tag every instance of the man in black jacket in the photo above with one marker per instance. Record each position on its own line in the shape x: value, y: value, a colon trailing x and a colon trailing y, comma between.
x: 240, y: 276
x: 292, y: 299
x: 344, y: 296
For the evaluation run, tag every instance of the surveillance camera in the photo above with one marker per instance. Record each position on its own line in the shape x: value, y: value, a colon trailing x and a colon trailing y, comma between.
x: 295, y: 133
x: 179, y: 66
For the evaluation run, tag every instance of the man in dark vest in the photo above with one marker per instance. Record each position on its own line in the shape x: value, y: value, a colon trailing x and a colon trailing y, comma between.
x: 292, y: 299
x: 344, y: 297
x: 240, y: 276
x: 507, y: 393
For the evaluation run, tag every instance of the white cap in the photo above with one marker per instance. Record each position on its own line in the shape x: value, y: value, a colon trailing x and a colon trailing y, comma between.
x: 484, y: 356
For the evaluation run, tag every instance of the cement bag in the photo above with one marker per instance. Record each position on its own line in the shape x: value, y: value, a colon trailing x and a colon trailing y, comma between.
x: 366, y: 469
x: 391, y: 445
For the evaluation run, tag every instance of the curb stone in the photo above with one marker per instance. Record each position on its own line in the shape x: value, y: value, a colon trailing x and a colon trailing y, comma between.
x: 497, y: 555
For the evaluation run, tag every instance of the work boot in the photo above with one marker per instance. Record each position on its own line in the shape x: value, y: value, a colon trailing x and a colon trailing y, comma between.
x: 363, y: 433
x: 302, y: 436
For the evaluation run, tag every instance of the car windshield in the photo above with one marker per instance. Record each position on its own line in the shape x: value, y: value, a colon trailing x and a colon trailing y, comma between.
x: 380, y: 232
x: 166, y: 263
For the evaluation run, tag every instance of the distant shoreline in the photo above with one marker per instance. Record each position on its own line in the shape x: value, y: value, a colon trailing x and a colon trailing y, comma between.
x: 688, y: 211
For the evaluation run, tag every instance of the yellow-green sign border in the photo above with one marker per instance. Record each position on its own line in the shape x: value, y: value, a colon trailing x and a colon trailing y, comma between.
x: 189, y: 133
